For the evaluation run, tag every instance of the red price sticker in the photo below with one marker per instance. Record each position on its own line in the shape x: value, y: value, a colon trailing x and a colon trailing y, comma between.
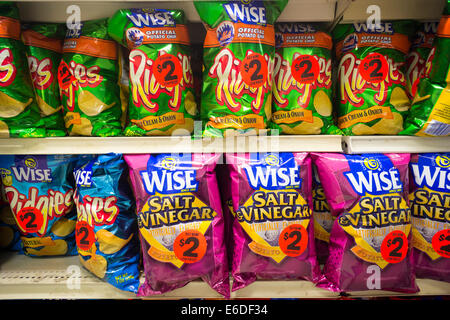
x: 441, y: 243
x: 84, y: 235
x: 254, y: 70
x: 30, y: 219
x: 394, y: 247
x: 374, y: 68
x: 190, y: 246
x: 293, y: 240
x: 305, y: 69
x: 65, y: 76
x: 167, y: 70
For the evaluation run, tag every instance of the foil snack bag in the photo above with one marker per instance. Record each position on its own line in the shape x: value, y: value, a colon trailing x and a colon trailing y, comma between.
x: 9, y: 233
x: 19, y: 112
x: 44, y: 49
x: 88, y: 78
x: 40, y: 194
x: 302, y: 83
x: 272, y: 223
x: 370, y: 241
x: 430, y: 209
x: 371, y: 76
x: 180, y: 221
x: 162, y: 97
x: 238, y: 59
x: 106, y: 230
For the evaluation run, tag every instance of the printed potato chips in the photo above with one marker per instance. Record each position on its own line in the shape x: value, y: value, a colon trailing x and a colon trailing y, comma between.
x: 272, y: 223
x: 238, y: 60
x: 40, y: 194
x: 19, y: 112
x: 88, y: 78
x: 371, y: 77
x: 430, y: 209
x: 44, y: 49
x: 162, y: 100
x: 180, y: 221
x: 370, y: 241
x: 302, y: 93
x: 106, y: 230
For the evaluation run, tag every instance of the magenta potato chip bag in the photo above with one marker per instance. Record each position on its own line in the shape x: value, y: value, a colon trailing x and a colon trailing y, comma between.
x: 370, y: 241
x: 180, y: 221
x: 273, y: 231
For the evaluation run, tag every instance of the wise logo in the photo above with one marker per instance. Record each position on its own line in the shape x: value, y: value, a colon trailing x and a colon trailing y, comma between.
x: 432, y: 172
x: 249, y: 12
x: 151, y: 18
x: 83, y: 176
x: 382, y: 27
x: 30, y: 169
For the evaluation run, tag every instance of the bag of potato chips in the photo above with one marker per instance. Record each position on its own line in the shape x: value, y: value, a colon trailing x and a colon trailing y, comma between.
x: 9, y: 233
x: 371, y: 77
x: 39, y: 192
x: 238, y: 55
x: 180, y: 221
x: 88, y: 78
x: 370, y: 241
x: 273, y: 229
x: 430, y: 113
x: 44, y: 49
x: 162, y: 98
x: 106, y: 230
x: 430, y: 209
x: 19, y: 112
x: 302, y: 91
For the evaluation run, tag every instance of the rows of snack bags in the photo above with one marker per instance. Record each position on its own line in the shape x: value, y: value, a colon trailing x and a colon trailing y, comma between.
x: 137, y: 73
x: 344, y: 222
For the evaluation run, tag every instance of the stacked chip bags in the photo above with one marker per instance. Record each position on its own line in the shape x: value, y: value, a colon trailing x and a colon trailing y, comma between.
x: 370, y: 241
x: 162, y: 100
x: 273, y: 229
x: 180, y: 221
x: 40, y: 194
x: 302, y: 91
x: 106, y: 230
x: 44, y: 49
x: 9, y: 233
x: 430, y: 113
x: 416, y: 67
x: 238, y: 60
x: 430, y: 209
x: 19, y: 112
x: 371, y: 76
x: 88, y: 78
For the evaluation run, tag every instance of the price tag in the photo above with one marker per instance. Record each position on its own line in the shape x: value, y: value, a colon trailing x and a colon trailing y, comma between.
x: 254, y: 70
x: 65, y: 76
x: 374, y: 68
x: 305, y: 69
x: 167, y: 70
x: 441, y: 243
x: 30, y: 219
x: 394, y: 247
x: 293, y: 240
x: 84, y: 235
x: 190, y: 246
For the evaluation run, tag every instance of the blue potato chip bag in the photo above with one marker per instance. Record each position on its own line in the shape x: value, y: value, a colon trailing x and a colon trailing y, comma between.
x: 9, y: 233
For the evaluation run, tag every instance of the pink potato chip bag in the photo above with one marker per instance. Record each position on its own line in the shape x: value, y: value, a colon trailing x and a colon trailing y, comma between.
x: 370, y: 241
x: 180, y: 221
x: 272, y: 223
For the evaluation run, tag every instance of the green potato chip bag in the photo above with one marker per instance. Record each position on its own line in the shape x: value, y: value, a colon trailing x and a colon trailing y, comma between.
x: 371, y: 91
x: 162, y: 98
x: 44, y: 50
x: 88, y: 78
x: 302, y: 80
x: 19, y: 112
x: 238, y: 60
x: 430, y: 111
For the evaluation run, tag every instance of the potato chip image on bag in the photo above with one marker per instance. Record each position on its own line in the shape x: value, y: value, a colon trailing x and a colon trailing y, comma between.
x: 368, y: 195
x: 430, y: 211
x: 106, y: 229
x: 19, y: 111
x: 39, y: 191
x: 9, y: 233
x: 371, y: 86
x: 302, y: 82
x: 180, y: 221
x: 272, y: 223
x: 162, y: 98
x: 88, y: 77
x: 238, y: 59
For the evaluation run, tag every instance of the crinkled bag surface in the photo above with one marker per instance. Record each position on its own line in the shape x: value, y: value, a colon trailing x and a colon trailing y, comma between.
x: 9, y: 233
x: 272, y: 223
x: 180, y: 221
x: 370, y: 241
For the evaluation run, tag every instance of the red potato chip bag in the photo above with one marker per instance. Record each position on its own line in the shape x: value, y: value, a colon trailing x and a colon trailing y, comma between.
x: 370, y: 241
